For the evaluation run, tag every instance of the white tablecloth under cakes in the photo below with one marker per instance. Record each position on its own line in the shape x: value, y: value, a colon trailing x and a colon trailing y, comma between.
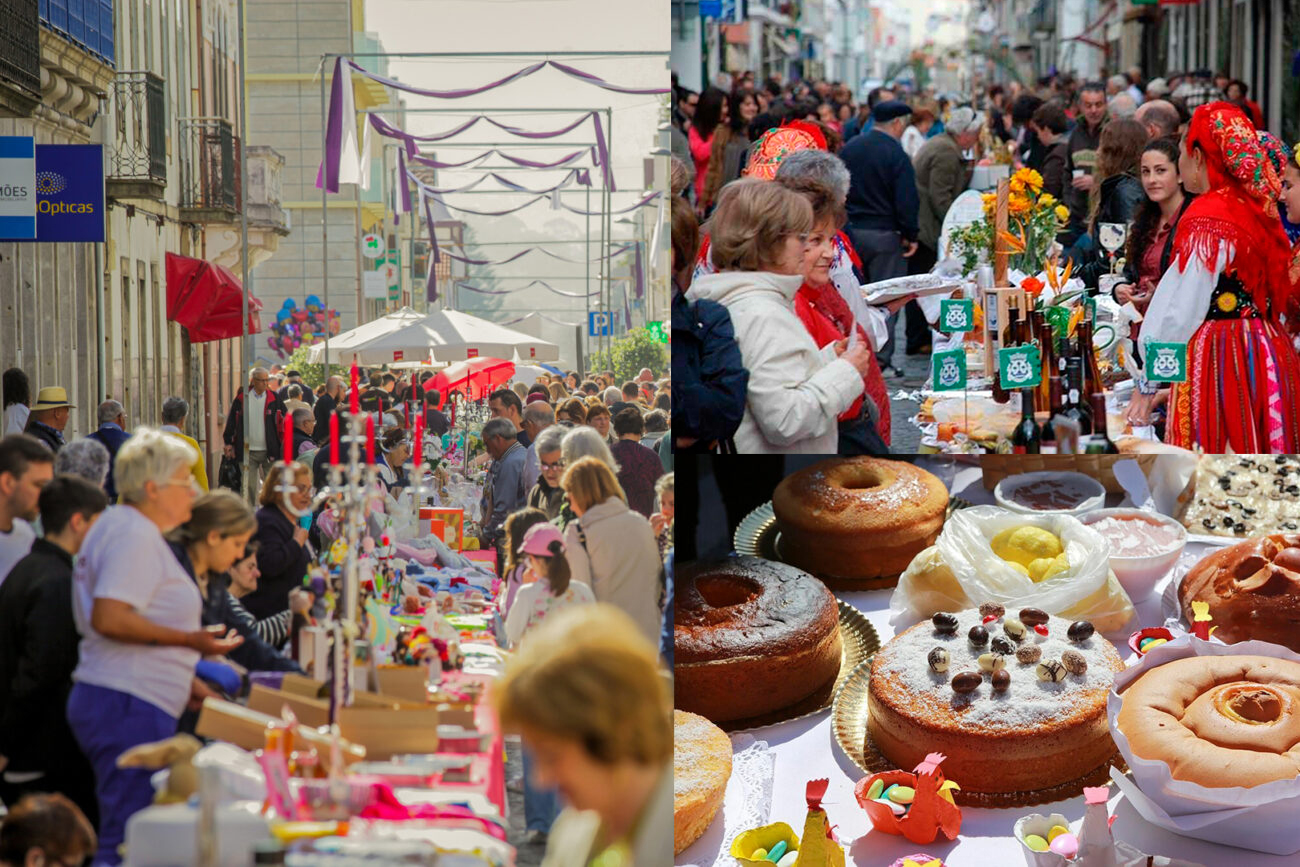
x: 806, y: 749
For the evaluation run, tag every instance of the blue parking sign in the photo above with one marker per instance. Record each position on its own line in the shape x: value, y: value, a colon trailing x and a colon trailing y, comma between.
x: 600, y: 324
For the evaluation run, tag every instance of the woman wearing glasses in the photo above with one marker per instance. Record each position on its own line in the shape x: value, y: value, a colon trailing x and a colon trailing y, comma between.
x: 283, y: 550
x: 138, y: 613
x: 797, y: 389
x: 547, y: 494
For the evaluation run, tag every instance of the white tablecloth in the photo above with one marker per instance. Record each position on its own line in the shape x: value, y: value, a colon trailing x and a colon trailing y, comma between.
x: 806, y: 750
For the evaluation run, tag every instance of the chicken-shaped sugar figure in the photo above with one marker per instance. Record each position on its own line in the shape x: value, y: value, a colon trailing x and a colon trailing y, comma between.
x: 1201, y: 618
x: 917, y: 805
x: 1096, y: 843
x: 818, y: 846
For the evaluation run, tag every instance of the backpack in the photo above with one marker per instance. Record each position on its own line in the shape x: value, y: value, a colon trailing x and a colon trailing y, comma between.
x: 708, y: 375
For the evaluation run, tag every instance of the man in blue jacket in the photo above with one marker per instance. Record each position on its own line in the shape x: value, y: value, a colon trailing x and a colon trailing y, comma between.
x: 883, y: 203
x: 709, y: 377
x: 112, y: 433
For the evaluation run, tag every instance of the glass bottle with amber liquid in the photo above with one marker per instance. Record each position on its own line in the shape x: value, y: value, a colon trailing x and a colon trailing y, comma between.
x: 1047, y: 436
x: 1100, y: 442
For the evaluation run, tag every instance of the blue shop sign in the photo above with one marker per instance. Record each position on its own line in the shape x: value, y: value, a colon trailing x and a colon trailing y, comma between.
x: 70, y: 192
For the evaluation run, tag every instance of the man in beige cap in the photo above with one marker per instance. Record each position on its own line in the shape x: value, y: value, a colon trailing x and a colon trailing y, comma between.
x: 49, y: 417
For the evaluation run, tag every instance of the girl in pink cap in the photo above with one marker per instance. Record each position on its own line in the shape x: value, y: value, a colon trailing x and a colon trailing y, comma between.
x: 552, y: 590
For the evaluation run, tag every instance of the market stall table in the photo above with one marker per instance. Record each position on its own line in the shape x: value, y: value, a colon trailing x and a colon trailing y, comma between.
x: 805, y: 749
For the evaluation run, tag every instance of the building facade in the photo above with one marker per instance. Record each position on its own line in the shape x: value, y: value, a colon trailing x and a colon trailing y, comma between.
x: 286, y: 40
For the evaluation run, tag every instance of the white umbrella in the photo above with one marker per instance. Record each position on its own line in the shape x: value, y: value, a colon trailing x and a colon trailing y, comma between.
x: 445, y: 335
x: 344, y: 342
x: 458, y: 334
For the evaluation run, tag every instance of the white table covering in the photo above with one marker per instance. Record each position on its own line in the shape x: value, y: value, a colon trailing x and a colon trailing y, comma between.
x: 806, y: 749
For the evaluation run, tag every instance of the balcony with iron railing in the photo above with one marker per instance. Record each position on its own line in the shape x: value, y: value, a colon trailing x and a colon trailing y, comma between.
x: 137, y: 150
x: 210, y: 165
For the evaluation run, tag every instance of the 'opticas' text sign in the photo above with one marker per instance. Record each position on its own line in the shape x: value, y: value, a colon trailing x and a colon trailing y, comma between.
x: 70, y: 192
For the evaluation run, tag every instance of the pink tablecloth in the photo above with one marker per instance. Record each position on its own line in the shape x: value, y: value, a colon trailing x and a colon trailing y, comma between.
x: 487, y: 769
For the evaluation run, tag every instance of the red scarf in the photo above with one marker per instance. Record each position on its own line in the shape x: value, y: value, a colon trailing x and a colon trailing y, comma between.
x: 827, y: 318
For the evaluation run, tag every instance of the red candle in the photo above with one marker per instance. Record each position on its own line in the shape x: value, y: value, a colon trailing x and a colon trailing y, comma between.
x: 370, y: 438
x: 419, y: 441
x: 334, y: 439
x: 288, y: 437
x: 356, y: 388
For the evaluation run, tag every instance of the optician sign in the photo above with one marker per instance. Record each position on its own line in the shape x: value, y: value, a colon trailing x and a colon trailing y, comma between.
x: 70, y: 192
x: 17, y: 188
x: 65, y: 193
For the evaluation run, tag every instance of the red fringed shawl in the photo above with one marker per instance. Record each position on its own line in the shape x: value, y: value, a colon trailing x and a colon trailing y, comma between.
x: 1241, y: 208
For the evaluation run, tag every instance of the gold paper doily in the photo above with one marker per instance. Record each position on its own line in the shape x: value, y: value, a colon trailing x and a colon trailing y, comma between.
x: 858, y: 641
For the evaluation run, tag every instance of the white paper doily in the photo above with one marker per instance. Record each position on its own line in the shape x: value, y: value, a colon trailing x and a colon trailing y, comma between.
x: 746, y: 805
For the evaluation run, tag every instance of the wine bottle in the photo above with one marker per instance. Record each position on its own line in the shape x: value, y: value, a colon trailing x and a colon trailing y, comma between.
x: 1047, y: 439
x: 1091, y: 383
x: 1100, y: 442
x: 1006, y: 335
x: 1047, y: 348
x: 1073, y: 407
x: 1026, y: 439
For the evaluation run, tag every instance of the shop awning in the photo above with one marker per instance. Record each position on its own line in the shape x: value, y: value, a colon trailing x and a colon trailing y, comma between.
x: 207, y: 299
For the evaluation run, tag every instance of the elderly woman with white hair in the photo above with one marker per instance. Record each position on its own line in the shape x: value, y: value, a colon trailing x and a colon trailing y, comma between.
x: 85, y: 457
x: 138, y: 614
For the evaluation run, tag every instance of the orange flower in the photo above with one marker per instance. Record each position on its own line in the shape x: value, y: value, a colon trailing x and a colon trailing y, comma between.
x: 1018, y: 205
x: 1032, y: 285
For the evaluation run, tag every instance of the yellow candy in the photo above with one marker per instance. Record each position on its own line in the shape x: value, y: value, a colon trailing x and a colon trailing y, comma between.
x: 1025, y: 544
x: 874, y: 790
x: 902, y: 794
x: 1155, y: 642
x: 1035, y: 842
x: 1057, y: 830
x: 1045, y: 567
x: 759, y: 854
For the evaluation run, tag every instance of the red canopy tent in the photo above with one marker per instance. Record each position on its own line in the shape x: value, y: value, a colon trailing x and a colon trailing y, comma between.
x: 207, y: 299
x: 475, y: 377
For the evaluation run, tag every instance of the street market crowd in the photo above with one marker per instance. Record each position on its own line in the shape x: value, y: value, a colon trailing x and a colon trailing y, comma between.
x: 132, y: 586
x: 788, y: 196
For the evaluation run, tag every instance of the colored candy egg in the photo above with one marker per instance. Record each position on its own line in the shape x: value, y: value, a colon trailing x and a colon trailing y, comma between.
x: 1033, y: 616
x: 902, y: 794
x: 1014, y: 629
x: 1040, y: 628
x: 898, y: 809
x: 1080, y: 630
x: 788, y: 859
x: 759, y: 854
x: 991, y: 609
x: 1057, y: 830
x: 775, y: 853
x: 945, y: 623
x: 1154, y: 642
x: 1066, y: 845
x: 875, y: 790
x: 1035, y: 842
x: 978, y: 636
x: 937, y: 659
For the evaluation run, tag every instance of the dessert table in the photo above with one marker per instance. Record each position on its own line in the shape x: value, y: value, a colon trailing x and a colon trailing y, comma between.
x: 805, y: 749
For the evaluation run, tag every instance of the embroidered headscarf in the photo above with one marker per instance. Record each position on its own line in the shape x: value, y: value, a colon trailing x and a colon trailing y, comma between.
x: 779, y: 142
x: 1241, y: 206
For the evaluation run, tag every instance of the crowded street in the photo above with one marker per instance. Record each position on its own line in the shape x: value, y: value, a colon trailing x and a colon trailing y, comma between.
x: 336, y: 487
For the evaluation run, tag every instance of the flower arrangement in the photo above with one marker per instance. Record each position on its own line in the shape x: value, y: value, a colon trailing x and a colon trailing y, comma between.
x: 1034, y: 218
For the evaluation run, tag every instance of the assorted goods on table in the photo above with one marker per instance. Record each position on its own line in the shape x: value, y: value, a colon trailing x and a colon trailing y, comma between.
x: 1018, y: 674
x: 1028, y: 328
x: 387, y: 751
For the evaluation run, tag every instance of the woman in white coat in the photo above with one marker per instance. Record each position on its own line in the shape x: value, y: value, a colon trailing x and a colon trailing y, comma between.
x: 611, y: 548
x: 797, y: 390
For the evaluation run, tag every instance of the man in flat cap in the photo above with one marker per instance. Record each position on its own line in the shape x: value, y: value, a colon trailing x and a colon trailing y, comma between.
x: 883, y: 203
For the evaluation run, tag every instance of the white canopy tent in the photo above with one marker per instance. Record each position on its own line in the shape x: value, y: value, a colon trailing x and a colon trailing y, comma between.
x: 346, y: 341
x: 442, y: 335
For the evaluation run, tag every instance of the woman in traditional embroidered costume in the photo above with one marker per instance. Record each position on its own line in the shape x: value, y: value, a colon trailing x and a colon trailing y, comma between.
x: 1223, y: 296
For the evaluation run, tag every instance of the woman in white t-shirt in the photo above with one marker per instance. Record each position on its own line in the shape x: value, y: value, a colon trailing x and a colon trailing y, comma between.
x: 18, y: 399
x: 138, y: 614
x: 551, y: 592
